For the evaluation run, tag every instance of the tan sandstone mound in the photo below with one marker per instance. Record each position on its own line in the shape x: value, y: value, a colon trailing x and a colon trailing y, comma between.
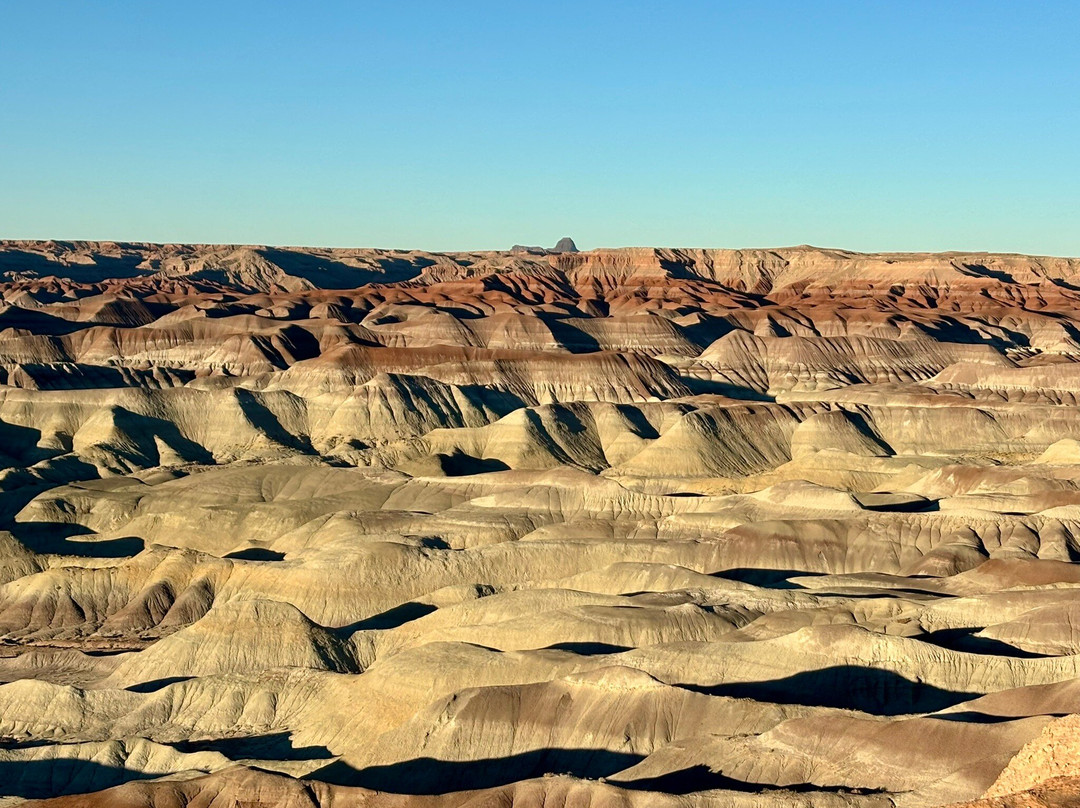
x: 322, y: 528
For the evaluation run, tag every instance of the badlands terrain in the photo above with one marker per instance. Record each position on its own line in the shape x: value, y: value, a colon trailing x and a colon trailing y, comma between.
x: 610, y: 529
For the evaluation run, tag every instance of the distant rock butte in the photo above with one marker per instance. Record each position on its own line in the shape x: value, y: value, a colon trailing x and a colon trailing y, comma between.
x: 631, y: 527
x: 564, y: 245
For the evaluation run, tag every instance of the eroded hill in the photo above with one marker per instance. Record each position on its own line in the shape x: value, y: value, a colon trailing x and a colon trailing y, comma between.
x: 637, y: 527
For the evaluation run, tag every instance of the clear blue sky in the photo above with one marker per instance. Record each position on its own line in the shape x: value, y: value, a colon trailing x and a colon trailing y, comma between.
x: 449, y: 125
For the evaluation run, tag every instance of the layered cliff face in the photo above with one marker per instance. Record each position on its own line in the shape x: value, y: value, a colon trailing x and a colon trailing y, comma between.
x: 638, y: 527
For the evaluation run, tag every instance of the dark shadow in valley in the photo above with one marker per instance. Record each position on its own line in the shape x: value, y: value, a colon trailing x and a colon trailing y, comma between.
x: 707, y: 330
x: 702, y: 778
x: 766, y: 578
x: 700, y: 387
x: 459, y: 464
x: 852, y: 687
x: 975, y: 717
x: 154, y: 685
x: 573, y: 339
x: 20, y: 443
x: 983, y: 271
x: 105, y: 267
x: 391, y: 618
x: 271, y: 746
x: 143, y: 429
x: 300, y: 342
x: 588, y: 648
x: 40, y: 779
x: 964, y: 639
x: 327, y: 273
x: 37, y: 322
x: 433, y: 776
x: 948, y: 329
x: 263, y: 419
x: 643, y: 428
x: 256, y: 554
x: 56, y: 538
x: 79, y: 376
x: 7, y: 742
x: 457, y: 312
x: 499, y: 402
x: 910, y: 506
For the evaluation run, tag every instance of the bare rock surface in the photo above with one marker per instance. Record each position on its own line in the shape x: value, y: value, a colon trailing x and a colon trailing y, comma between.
x: 623, y: 527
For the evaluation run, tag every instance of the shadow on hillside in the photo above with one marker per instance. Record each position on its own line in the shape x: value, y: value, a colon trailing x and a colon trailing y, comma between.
x: 154, y: 685
x: 432, y: 776
x: 142, y: 430
x: 707, y: 330
x: 975, y: 717
x: 911, y: 506
x: 326, y: 273
x: 272, y: 746
x: 37, y: 322
x: 256, y: 554
x: 702, y: 778
x: 263, y: 419
x: 40, y: 779
x: 701, y: 387
x: 104, y: 267
x: 501, y: 402
x: 57, y: 538
x: 391, y: 618
x: 852, y: 687
x: 950, y: 330
x: 588, y: 648
x: 964, y: 639
x: 78, y: 376
x: 566, y: 334
x: 764, y: 577
x: 21, y: 443
x: 459, y: 464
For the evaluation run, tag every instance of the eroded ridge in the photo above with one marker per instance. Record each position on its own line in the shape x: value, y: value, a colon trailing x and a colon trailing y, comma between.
x: 637, y: 527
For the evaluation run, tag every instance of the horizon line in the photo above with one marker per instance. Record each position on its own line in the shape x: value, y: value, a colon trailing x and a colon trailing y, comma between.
x: 282, y: 246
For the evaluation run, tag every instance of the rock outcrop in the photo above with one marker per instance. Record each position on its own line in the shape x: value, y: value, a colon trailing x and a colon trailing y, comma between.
x: 637, y: 527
